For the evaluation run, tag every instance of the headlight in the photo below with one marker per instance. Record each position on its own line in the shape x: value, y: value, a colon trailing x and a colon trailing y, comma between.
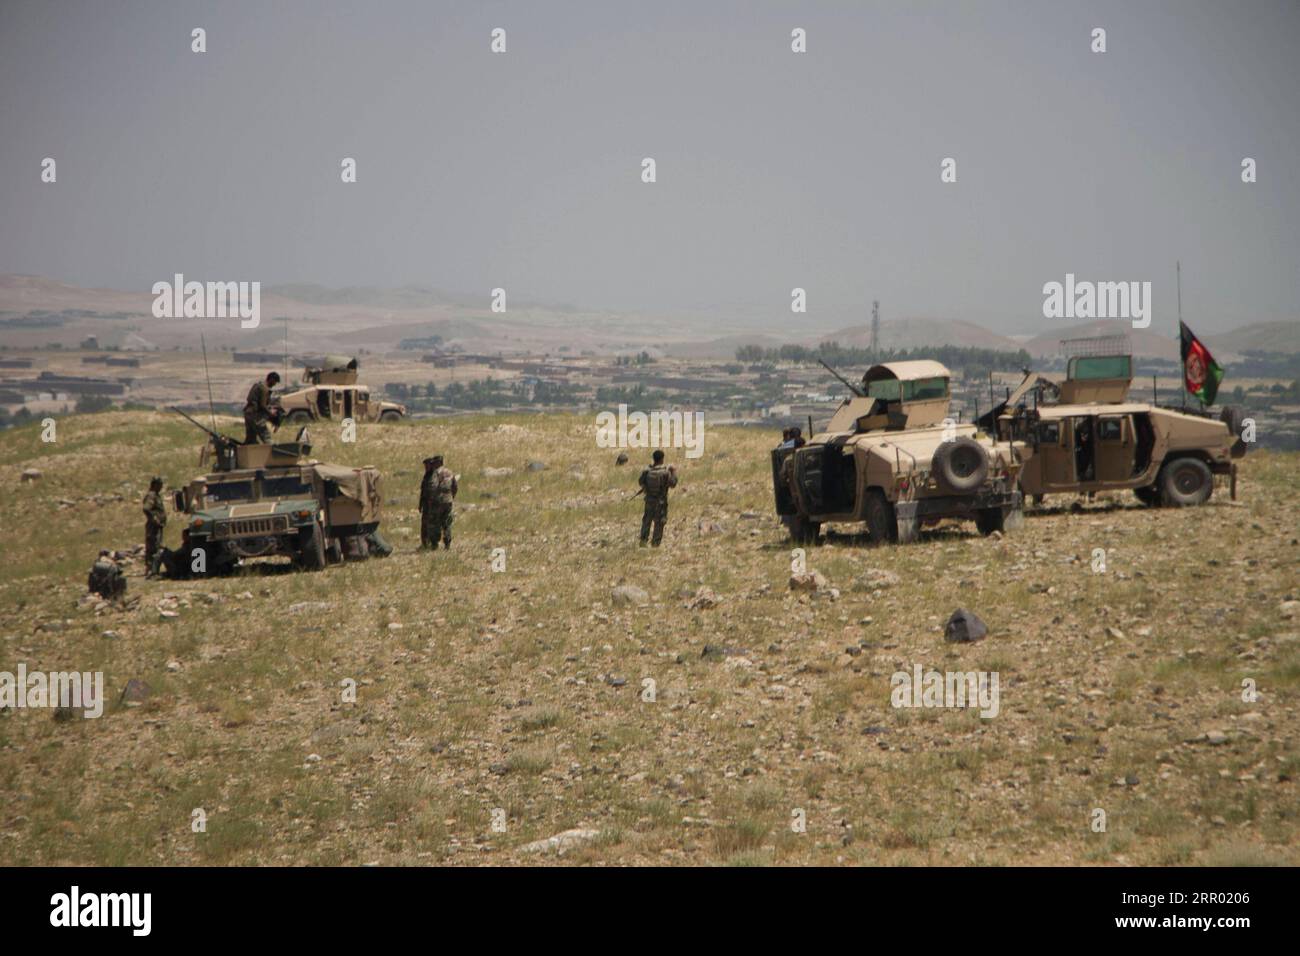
x: 196, y: 524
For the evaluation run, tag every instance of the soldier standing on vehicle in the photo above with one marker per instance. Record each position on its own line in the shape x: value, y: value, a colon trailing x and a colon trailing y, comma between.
x: 437, y: 491
x: 259, y: 410
x: 155, y: 520
x: 655, y: 482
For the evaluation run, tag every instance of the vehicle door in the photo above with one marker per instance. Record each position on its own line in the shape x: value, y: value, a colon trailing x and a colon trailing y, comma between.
x: 1115, y: 447
x: 1056, y: 453
x: 808, y: 476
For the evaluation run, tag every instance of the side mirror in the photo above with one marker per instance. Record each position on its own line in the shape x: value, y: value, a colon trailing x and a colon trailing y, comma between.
x: 178, y: 501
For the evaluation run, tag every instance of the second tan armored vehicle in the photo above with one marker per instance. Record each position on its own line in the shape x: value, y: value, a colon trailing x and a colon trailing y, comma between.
x: 1087, y: 437
x: 332, y: 392
x: 891, y: 456
x: 273, y: 500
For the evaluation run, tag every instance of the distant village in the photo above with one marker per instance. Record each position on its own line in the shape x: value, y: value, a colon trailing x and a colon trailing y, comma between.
x: 769, y: 388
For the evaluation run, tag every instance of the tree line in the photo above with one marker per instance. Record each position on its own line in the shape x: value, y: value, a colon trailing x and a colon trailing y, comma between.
x: 972, y: 362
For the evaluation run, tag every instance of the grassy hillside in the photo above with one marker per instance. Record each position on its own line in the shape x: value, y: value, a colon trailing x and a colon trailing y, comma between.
x: 522, y: 690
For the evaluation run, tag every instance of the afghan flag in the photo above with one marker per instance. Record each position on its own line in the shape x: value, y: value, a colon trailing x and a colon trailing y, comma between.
x: 1201, y: 374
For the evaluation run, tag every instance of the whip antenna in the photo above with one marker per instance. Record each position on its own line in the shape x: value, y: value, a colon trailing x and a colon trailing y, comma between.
x: 211, y: 409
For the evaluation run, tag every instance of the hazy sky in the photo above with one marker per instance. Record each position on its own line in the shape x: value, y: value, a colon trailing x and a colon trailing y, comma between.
x: 775, y: 169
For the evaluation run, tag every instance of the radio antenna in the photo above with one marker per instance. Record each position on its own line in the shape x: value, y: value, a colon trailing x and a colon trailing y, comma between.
x: 212, y: 412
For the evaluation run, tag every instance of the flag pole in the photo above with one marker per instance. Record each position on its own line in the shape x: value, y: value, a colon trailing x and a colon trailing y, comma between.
x: 1178, y: 270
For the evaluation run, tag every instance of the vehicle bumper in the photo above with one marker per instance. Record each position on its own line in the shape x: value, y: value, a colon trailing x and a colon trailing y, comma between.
x: 957, y: 506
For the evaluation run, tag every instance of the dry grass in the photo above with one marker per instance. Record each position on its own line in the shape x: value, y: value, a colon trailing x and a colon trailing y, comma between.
x: 522, y: 691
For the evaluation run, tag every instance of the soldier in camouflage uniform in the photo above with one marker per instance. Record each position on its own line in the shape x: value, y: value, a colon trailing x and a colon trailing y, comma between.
x: 155, y: 520
x: 437, y: 490
x: 259, y: 409
x: 655, y: 482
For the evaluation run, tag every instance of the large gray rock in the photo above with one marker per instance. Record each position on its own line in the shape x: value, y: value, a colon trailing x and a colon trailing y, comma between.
x: 964, y: 627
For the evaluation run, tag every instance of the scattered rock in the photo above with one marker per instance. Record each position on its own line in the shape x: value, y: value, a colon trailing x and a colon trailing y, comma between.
x: 704, y: 598
x: 31, y: 474
x: 621, y: 459
x: 964, y: 627
x: 874, y: 578
x: 809, y: 581
x: 561, y: 843
x: 626, y: 594
x: 537, y: 466
x: 303, y: 607
x: 709, y: 527
x: 498, y: 472
x: 750, y: 515
x: 135, y: 692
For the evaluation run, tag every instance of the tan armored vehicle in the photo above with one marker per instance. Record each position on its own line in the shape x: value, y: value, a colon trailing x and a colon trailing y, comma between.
x: 891, y: 456
x: 1088, y: 437
x: 273, y: 500
x: 332, y: 392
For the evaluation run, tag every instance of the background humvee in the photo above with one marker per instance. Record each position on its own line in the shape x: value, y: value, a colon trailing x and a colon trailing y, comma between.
x: 1087, y: 437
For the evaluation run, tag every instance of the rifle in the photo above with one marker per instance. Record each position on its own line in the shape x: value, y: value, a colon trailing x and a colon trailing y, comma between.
x: 849, y: 385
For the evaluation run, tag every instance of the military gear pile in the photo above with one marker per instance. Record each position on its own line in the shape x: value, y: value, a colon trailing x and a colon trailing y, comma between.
x: 106, y: 579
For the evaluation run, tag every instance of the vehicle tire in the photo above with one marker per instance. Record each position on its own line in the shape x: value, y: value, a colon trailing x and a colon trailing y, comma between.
x: 311, y: 548
x: 298, y: 417
x: 390, y: 416
x: 961, y: 466
x: 1149, y: 496
x: 334, y: 553
x: 988, y: 520
x: 882, y: 523
x: 1185, y: 482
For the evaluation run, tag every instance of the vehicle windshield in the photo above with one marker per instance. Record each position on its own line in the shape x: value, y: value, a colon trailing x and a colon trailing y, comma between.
x: 912, y: 390
x: 287, y: 486
x: 1085, y: 368
x: 229, y: 491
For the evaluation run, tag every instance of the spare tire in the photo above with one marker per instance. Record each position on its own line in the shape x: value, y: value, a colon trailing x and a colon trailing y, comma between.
x: 961, y: 465
x: 1235, y: 419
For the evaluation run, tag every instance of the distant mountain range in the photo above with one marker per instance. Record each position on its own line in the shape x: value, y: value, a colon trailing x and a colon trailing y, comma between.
x: 35, y: 311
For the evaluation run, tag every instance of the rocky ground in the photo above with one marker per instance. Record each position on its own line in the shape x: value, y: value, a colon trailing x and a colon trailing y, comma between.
x: 548, y: 692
